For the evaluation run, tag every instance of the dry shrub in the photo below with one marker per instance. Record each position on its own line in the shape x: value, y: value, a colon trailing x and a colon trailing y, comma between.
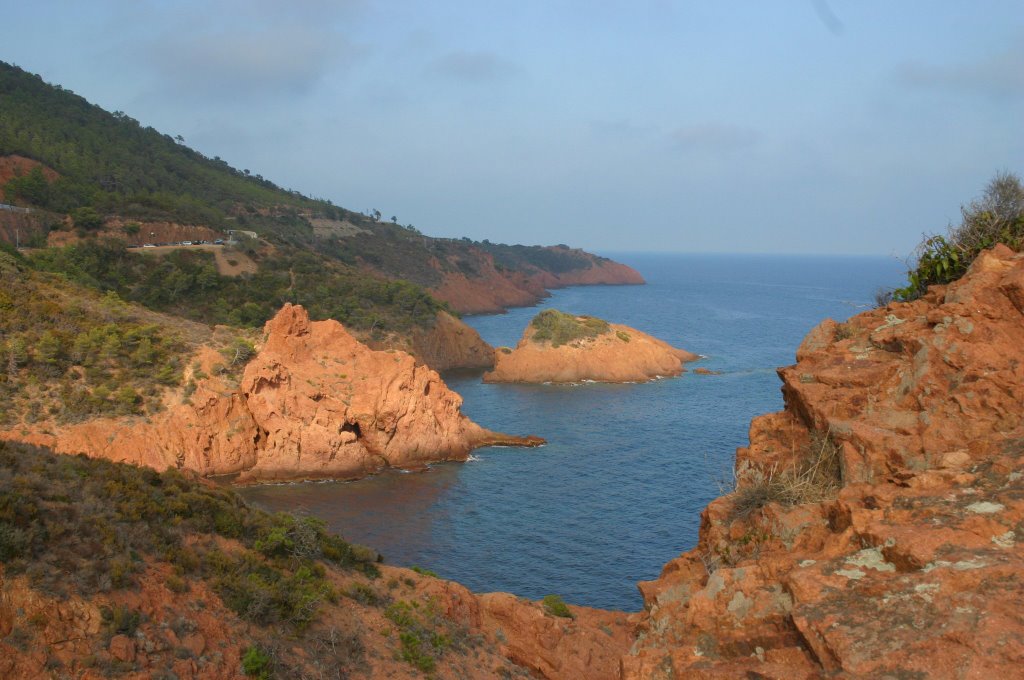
x: 815, y: 476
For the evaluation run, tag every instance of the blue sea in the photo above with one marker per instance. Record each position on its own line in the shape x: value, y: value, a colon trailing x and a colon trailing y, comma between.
x: 619, y: 488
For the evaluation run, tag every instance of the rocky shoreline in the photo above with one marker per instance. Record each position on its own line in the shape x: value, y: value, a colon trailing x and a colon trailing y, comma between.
x: 314, y: 403
x: 911, y: 564
x: 606, y: 353
x: 875, y: 530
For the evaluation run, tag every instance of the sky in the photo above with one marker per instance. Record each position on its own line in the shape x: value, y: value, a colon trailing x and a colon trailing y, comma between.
x: 796, y: 126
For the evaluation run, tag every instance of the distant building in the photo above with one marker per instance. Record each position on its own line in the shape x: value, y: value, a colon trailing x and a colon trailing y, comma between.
x: 249, y: 234
x: 14, y: 208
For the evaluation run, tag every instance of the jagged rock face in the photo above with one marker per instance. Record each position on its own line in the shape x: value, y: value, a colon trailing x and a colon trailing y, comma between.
x: 327, y: 405
x: 915, y: 568
x: 623, y: 354
x: 314, y: 403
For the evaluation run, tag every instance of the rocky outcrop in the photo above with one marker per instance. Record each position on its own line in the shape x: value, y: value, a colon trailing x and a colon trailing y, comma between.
x: 450, y: 344
x: 313, y: 403
x: 587, y: 645
x: 326, y: 405
x: 911, y: 564
x: 491, y: 289
x: 616, y: 354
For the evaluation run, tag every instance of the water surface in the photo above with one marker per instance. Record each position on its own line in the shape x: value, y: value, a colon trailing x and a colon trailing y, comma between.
x: 619, y: 488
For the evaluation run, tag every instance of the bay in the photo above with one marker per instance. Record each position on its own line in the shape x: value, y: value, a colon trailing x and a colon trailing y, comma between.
x: 619, y: 487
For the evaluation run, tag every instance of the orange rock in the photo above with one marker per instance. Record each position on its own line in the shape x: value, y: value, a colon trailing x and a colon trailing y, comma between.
x: 916, y: 568
x: 588, y: 645
x: 314, y: 403
x: 326, y: 406
x: 622, y: 354
x: 450, y: 343
x: 122, y: 648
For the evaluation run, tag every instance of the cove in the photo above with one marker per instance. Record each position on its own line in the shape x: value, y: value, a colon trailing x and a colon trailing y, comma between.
x: 619, y: 488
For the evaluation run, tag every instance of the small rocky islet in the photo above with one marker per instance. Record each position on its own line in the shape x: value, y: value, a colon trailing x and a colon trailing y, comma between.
x: 563, y: 348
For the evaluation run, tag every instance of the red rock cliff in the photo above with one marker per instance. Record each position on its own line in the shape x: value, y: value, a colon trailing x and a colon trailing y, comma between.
x: 492, y: 289
x: 313, y: 403
x: 913, y: 566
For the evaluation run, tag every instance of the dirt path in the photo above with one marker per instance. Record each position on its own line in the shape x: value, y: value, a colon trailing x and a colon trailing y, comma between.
x: 229, y: 262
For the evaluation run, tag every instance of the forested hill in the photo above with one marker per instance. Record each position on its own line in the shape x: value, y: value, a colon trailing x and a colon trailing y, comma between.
x: 91, y: 175
x: 112, y: 163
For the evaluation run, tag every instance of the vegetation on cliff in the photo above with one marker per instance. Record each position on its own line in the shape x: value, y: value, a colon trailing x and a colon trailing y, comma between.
x: 996, y: 217
x: 560, y: 328
x: 187, y: 283
x: 291, y: 599
x: 81, y: 527
x: 99, y: 521
x: 815, y: 475
x: 67, y: 353
x: 110, y: 162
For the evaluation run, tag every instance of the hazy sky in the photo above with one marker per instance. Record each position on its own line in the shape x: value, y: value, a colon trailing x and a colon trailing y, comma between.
x: 843, y: 126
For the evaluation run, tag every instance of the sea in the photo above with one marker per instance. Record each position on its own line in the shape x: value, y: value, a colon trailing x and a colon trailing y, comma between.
x: 619, y: 487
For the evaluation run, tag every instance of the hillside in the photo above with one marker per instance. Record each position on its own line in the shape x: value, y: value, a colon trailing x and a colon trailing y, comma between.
x: 70, y: 353
x: 83, y: 170
x: 84, y: 372
x: 110, y: 570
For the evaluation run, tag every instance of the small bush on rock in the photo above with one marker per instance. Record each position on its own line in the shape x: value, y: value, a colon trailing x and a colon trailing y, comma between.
x: 816, y: 476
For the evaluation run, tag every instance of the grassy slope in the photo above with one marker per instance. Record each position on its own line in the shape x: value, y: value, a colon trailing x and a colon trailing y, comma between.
x: 69, y: 353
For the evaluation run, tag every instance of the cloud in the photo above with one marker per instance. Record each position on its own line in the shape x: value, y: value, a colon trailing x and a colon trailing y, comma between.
x: 713, y: 137
x: 473, y: 66
x: 1000, y: 76
x: 253, y: 64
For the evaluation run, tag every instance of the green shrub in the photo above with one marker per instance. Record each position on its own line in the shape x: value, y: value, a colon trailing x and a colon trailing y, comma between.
x: 364, y: 594
x: 424, y: 572
x: 87, y: 218
x: 422, y: 632
x: 560, y: 328
x: 555, y: 605
x: 996, y: 217
x: 121, y: 620
x: 256, y: 663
